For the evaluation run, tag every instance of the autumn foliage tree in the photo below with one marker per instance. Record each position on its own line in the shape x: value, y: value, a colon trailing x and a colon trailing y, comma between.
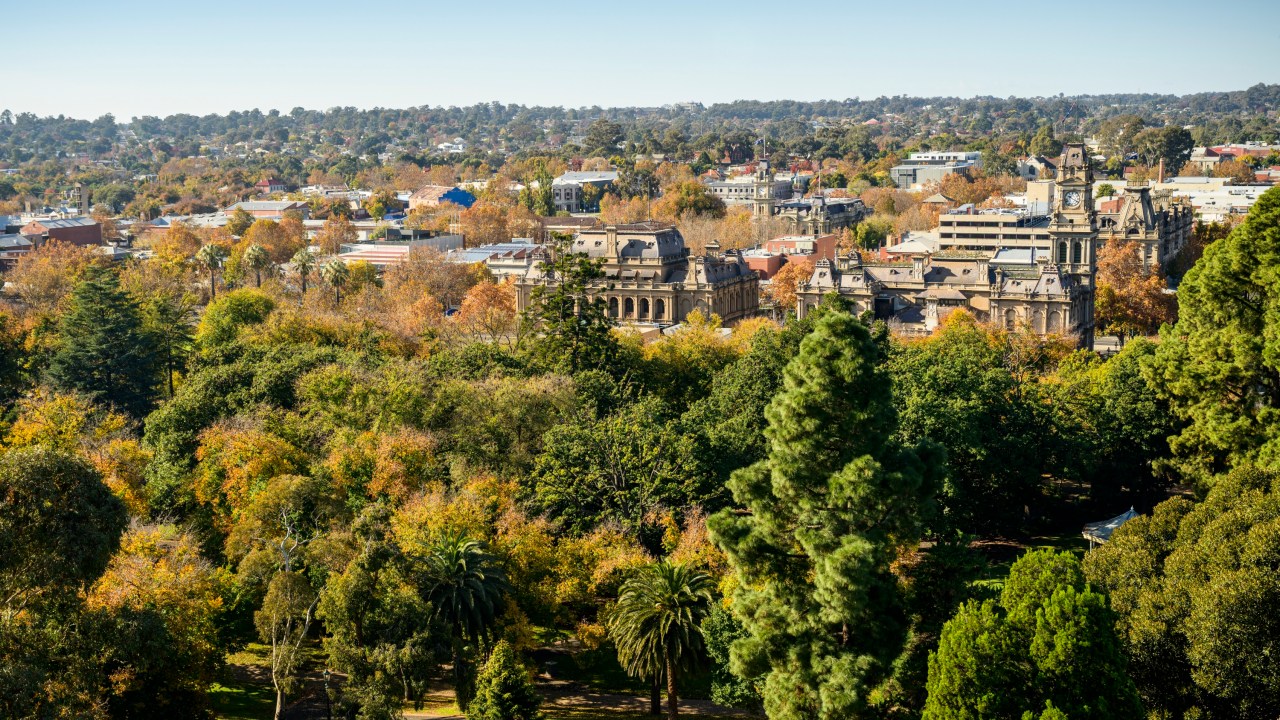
x: 782, y: 287
x: 1131, y: 299
x: 337, y: 231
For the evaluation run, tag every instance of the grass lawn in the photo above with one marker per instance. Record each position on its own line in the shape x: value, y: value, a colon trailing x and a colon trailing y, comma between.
x: 244, y: 692
x: 1000, y: 556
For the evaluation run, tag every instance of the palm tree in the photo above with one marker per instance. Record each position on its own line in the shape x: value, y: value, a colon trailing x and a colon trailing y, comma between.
x: 211, y: 257
x: 304, y: 262
x: 656, y: 624
x: 335, y: 273
x: 466, y: 589
x: 257, y: 259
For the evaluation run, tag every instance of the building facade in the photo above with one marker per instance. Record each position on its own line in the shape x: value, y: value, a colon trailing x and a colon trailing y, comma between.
x: 930, y: 167
x: 566, y: 190
x: 1158, y: 226
x: 1015, y: 270
x: 75, y: 230
x: 649, y: 276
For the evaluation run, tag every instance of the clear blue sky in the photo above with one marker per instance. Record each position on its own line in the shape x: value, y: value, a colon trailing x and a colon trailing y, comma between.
x: 87, y: 57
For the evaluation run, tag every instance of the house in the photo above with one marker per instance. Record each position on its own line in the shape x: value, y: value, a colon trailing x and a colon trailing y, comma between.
x: 74, y: 230
x: 269, y: 209
x: 12, y: 247
x: 504, y: 260
x: 434, y: 195
x: 1037, y: 167
x: 269, y: 185
x: 567, y: 189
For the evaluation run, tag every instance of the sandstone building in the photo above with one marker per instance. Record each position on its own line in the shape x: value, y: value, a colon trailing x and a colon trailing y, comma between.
x: 651, y: 278
x: 1015, y: 271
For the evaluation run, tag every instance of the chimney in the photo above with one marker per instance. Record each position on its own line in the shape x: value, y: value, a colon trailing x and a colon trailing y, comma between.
x: 611, y: 239
x: 1160, y: 172
x: 917, y: 267
x: 984, y: 272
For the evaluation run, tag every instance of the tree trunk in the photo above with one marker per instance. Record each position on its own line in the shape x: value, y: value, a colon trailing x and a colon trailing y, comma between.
x: 213, y: 287
x: 655, y: 694
x: 279, y: 704
x: 304, y: 283
x: 673, y: 704
x: 460, y: 693
x: 257, y: 277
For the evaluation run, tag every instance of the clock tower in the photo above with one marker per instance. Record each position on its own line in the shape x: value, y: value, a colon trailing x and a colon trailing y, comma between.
x: 1073, y: 227
x: 762, y: 200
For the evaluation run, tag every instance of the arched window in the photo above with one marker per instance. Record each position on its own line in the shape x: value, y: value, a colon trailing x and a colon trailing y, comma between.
x: 1010, y: 319
x: 628, y: 308
x: 1075, y: 252
x: 613, y: 307
x: 1062, y: 252
x: 1055, y: 322
x: 659, y: 310
x: 644, y: 308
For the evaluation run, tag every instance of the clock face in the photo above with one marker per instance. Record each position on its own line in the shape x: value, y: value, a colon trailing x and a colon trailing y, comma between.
x: 1072, y: 198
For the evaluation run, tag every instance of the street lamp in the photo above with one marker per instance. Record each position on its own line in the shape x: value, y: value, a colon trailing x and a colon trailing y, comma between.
x: 328, y: 702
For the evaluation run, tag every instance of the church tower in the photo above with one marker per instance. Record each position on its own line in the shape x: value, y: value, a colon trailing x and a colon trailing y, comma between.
x: 1073, y: 225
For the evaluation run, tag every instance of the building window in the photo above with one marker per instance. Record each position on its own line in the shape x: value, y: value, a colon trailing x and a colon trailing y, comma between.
x: 1062, y: 253
x: 1075, y: 252
x: 659, y: 310
x: 628, y: 308
x: 613, y: 307
x: 644, y: 308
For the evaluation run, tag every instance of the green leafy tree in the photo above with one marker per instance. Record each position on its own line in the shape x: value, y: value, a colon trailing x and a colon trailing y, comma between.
x: 825, y: 514
x: 503, y: 689
x: 239, y: 222
x: 257, y: 259
x: 619, y: 468
x: 576, y: 332
x: 225, y: 317
x: 466, y: 589
x: 1117, y: 423
x: 720, y: 629
x: 656, y: 624
x: 379, y: 630
x: 1198, y: 602
x: 1044, y: 143
x: 1219, y: 365
x: 956, y: 389
x: 603, y: 137
x: 103, y: 350
x: 211, y: 257
x: 1049, y: 643
x: 168, y: 318
x: 283, y: 623
x: 59, y: 525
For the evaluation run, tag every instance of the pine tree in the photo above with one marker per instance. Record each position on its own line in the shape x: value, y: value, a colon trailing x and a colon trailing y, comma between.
x: 577, y: 333
x: 104, y: 351
x: 503, y: 689
x: 826, y: 512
